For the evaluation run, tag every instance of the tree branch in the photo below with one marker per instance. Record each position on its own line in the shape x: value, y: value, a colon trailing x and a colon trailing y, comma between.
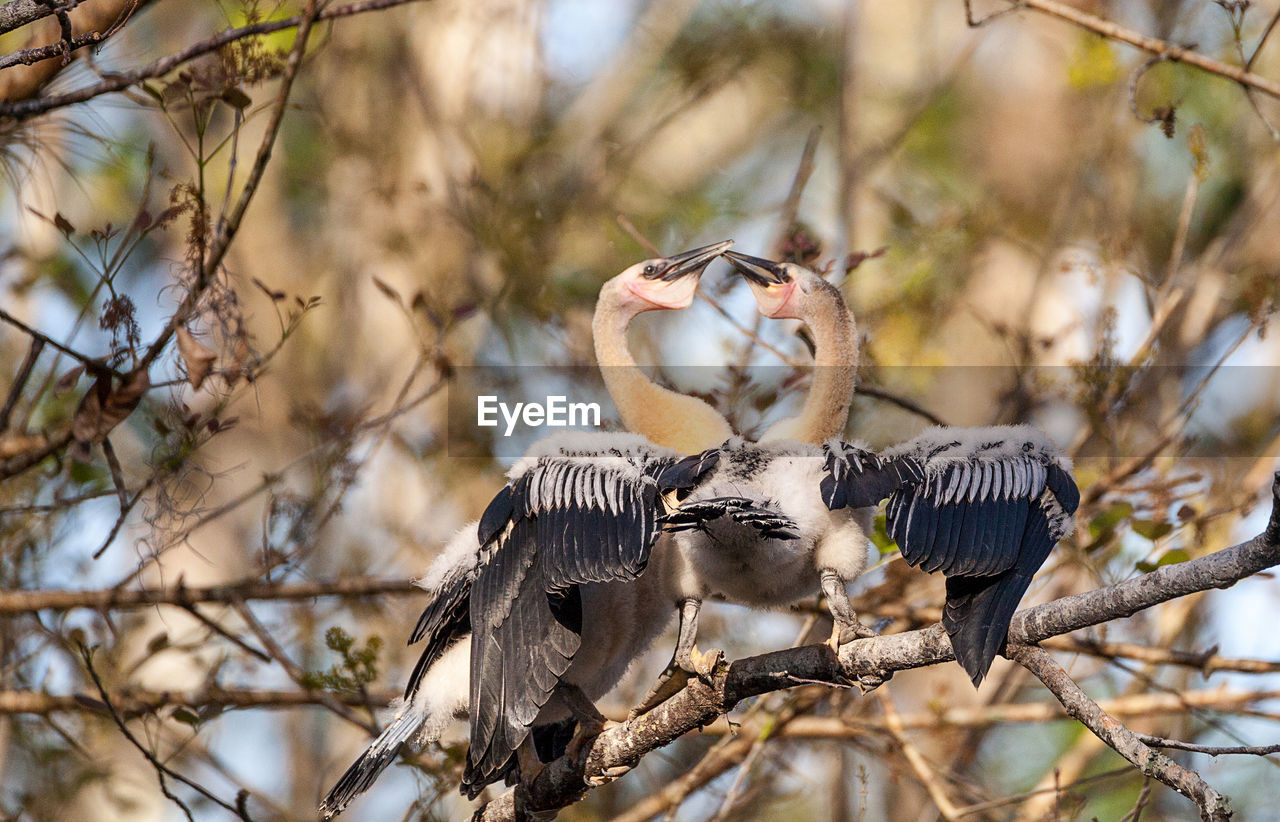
x: 16, y: 602
x: 1165, y: 49
x: 1214, y: 807
x: 210, y: 700
x: 122, y: 80
x: 18, y: 13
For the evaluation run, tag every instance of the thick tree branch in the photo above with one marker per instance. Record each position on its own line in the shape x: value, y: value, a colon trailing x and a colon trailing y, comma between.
x: 18, y: 13
x: 699, y: 704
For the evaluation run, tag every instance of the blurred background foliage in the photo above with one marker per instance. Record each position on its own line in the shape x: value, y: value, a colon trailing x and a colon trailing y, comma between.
x: 1066, y: 238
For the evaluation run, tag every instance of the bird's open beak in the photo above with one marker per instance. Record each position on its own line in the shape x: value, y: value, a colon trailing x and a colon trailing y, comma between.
x: 757, y: 270
x: 693, y: 262
x: 772, y: 286
x: 672, y: 285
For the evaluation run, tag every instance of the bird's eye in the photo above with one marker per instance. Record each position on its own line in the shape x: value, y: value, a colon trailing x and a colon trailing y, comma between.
x: 650, y: 270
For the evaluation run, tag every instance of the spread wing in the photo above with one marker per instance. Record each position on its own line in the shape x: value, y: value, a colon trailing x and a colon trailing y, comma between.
x: 982, y: 505
x: 564, y: 522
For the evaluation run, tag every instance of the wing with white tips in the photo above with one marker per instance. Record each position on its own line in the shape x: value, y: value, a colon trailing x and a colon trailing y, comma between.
x: 982, y: 505
x: 563, y: 522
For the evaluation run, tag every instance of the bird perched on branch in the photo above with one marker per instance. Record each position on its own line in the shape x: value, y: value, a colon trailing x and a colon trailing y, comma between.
x: 982, y: 505
x: 555, y: 606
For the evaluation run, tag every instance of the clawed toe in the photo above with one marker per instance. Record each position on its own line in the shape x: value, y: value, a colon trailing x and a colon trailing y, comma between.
x: 608, y: 775
x: 704, y: 665
x: 843, y: 634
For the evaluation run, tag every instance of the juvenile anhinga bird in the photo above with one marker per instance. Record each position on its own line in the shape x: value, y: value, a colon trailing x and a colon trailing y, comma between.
x: 982, y: 505
x: 606, y: 623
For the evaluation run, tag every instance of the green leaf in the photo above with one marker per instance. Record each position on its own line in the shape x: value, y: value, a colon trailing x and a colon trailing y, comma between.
x: 1151, y: 529
x: 1173, y: 557
x: 1109, y: 519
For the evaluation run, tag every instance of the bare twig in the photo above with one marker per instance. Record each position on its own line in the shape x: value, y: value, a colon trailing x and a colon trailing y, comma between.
x: 222, y: 242
x: 923, y: 770
x: 123, y: 80
x: 1171, y: 51
x: 20, y: 381
x: 15, y: 602
x: 1214, y: 807
x: 1206, y: 662
x: 902, y: 402
x: 162, y: 770
x: 1211, y: 750
x: 18, y: 13
x: 133, y: 702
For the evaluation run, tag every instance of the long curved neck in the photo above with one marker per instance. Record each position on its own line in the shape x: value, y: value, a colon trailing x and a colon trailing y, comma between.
x: 835, y: 360
x: 664, y: 417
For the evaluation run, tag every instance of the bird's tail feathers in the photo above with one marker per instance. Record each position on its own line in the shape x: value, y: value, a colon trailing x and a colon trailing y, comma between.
x: 977, y: 616
x: 375, y: 759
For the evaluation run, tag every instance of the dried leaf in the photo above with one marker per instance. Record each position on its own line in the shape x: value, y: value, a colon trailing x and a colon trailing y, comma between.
x: 63, y: 224
x: 276, y: 296
x: 1150, y: 529
x: 169, y: 215
x: 197, y: 356
x: 68, y: 380
x: 236, y: 98
x: 103, y: 408
x: 1199, y: 152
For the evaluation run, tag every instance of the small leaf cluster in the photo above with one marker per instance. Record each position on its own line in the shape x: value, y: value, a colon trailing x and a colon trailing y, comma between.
x: 357, y: 667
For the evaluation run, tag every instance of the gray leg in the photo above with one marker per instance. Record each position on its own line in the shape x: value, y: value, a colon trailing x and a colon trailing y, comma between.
x: 847, y: 625
x: 685, y: 662
x: 527, y: 758
x: 591, y: 723
x: 582, y: 708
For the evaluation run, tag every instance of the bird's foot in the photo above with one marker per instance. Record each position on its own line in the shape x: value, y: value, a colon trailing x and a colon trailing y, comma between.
x: 581, y: 742
x: 668, y: 684
x: 842, y: 633
x: 704, y: 665
x: 672, y: 680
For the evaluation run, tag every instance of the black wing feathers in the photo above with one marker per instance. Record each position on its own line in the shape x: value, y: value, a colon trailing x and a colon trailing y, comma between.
x: 858, y: 478
x: 568, y: 521
x: 983, y: 510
